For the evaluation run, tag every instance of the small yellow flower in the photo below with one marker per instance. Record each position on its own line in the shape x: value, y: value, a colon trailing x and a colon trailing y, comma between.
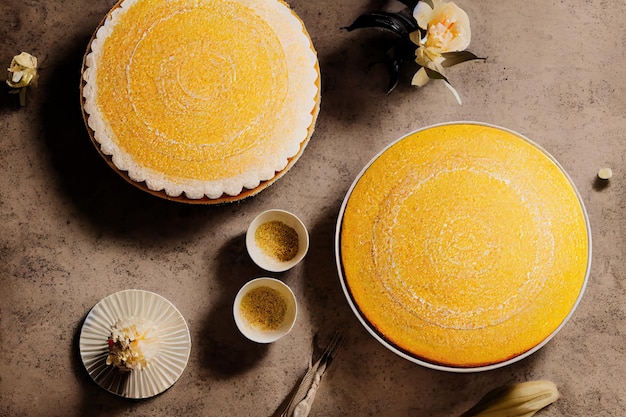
x: 23, y: 71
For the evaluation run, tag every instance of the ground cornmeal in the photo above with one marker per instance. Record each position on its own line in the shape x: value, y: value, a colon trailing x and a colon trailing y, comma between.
x: 264, y: 308
x: 278, y: 240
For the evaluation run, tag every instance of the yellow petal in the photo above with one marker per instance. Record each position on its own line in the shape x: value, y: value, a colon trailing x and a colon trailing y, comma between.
x: 416, y: 37
x: 25, y: 60
x: 420, y: 78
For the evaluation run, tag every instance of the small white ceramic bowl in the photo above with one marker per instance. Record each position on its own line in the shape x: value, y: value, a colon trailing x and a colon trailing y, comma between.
x: 266, y: 261
x: 255, y: 333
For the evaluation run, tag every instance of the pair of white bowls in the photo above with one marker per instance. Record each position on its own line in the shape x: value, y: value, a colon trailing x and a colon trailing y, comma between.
x: 271, y: 264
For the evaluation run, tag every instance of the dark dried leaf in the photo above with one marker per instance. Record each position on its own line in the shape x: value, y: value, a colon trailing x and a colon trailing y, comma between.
x: 393, y: 69
x: 403, y: 50
x: 412, y: 3
x: 435, y: 75
x: 454, y: 58
x: 394, y: 75
x: 398, y: 23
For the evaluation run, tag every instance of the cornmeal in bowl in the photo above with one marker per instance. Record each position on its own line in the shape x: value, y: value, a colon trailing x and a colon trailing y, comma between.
x: 205, y: 100
x: 463, y: 246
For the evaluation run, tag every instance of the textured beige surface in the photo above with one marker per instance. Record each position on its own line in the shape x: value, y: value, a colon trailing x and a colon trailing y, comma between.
x: 73, y: 232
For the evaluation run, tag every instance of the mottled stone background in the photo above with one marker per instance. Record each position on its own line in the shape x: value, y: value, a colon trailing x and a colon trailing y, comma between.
x: 73, y: 232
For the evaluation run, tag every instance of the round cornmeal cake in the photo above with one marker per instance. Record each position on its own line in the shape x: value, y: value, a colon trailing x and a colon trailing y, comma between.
x: 463, y: 247
x: 204, y: 101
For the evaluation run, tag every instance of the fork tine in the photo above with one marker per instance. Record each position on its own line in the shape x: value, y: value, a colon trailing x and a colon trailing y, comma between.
x: 318, y: 367
x: 331, y: 350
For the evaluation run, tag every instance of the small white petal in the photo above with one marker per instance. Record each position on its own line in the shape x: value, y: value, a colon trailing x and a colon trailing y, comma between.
x: 456, y: 95
x: 416, y: 37
x: 17, y: 76
x: 420, y: 78
x: 422, y: 13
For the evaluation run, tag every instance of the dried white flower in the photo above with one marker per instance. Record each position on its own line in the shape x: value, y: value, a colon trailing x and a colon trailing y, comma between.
x: 23, y: 71
x: 132, y: 344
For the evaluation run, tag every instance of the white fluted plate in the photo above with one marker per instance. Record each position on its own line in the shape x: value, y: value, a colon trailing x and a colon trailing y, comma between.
x: 171, y: 329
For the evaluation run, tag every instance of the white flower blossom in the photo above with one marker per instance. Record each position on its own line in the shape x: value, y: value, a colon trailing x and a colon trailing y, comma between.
x: 446, y: 28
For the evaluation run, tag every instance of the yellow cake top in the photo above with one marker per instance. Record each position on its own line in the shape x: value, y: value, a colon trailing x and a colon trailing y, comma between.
x: 464, y: 245
x: 201, y: 97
